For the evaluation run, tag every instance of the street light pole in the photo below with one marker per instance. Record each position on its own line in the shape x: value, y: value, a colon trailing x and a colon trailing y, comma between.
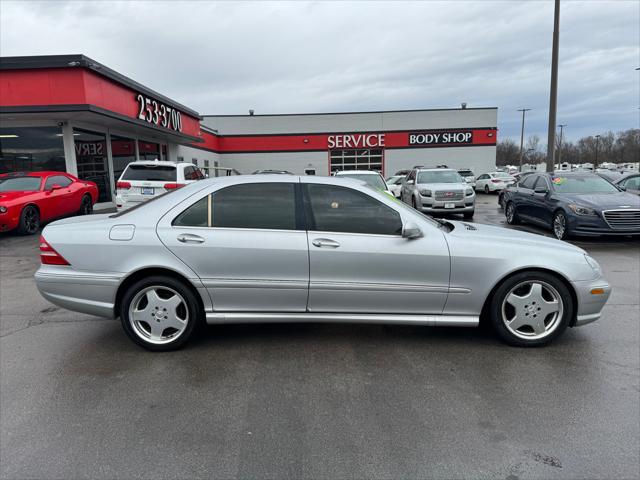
x: 562, y: 125
x: 553, y: 96
x: 523, y: 110
x: 597, y: 141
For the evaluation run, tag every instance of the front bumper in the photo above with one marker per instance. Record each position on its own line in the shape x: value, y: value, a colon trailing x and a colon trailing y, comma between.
x: 430, y: 205
x: 594, y: 225
x: 85, y: 292
x: 589, y: 308
x: 10, y: 219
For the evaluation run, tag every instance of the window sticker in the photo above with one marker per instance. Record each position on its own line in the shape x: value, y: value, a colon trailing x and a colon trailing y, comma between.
x: 559, y: 180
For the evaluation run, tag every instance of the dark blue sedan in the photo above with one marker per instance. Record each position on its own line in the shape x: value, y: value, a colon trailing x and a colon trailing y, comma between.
x: 573, y: 204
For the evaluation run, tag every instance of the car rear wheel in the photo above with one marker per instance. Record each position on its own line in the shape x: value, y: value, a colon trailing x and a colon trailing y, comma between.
x: 29, y: 220
x: 511, y: 214
x: 559, y: 225
x: 531, y: 309
x: 86, y: 205
x: 160, y: 313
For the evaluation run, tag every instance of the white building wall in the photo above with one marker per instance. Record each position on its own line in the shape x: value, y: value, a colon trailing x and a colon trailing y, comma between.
x: 479, y: 159
x: 294, y: 162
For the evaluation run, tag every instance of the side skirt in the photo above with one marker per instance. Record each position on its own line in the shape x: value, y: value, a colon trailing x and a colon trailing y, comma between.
x: 309, y: 317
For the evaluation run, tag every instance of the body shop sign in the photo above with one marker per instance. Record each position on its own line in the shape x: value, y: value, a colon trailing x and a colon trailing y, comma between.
x: 440, y: 138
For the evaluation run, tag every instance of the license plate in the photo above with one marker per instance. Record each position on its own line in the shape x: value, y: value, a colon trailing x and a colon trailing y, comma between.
x: 148, y: 190
x: 449, y: 205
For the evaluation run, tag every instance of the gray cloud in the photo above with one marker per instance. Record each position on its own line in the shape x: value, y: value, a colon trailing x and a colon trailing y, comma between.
x: 288, y: 57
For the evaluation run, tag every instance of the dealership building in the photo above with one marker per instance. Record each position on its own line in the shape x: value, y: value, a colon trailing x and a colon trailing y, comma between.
x: 71, y: 113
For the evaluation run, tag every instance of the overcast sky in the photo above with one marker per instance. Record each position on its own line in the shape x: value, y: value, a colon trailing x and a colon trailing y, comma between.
x: 224, y: 58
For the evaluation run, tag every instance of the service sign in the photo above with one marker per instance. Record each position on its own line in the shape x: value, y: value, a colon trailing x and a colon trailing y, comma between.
x: 441, y: 138
x: 356, y: 140
x: 157, y: 113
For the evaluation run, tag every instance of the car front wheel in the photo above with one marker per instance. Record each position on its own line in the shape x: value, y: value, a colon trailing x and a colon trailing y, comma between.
x: 29, y: 220
x: 511, y: 214
x: 559, y: 225
x: 531, y: 309
x: 160, y: 313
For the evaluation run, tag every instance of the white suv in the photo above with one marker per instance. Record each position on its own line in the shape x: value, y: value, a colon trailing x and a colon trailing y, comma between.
x: 370, y: 177
x: 142, y: 181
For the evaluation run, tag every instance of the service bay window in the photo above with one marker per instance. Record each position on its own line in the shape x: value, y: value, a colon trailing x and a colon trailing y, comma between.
x: 359, y: 159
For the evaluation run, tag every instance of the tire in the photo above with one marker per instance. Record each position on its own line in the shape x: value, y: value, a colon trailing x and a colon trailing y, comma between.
x: 29, y: 221
x: 413, y: 202
x: 86, y: 205
x: 531, y: 309
x: 501, y: 201
x: 174, y: 313
x: 511, y: 213
x: 468, y: 215
x: 559, y: 226
x: 486, y: 189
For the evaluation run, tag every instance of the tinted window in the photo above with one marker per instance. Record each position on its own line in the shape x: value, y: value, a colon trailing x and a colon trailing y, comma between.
x: 61, y: 180
x: 340, y: 209
x: 484, y: 176
x: 160, y: 173
x: 22, y: 184
x: 255, y: 205
x: 582, y: 184
x: 195, y: 215
x: 632, y: 183
x: 439, y: 177
x: 528, y: 181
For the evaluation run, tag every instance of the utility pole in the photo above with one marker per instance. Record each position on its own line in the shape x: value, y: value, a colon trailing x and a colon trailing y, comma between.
x: 523, y: 110
x: 562, y: 125
x: 553, y: 96
x: 597, y: 142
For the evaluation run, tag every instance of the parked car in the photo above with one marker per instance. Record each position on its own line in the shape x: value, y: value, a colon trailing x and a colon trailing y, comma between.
x: 317, y: 250
x: 28, y: 199
x: 438, y: 190
x: 608, y: 174
x: 371, y: 178
x: 395, y: 184
x: 573, y: 204
x: 629, y: 182
x: 144, y: 180
x: 468, y: 176
x: 493, y: 181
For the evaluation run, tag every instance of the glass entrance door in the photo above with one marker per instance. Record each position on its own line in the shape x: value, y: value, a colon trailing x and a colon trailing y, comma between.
x: 92, y: 160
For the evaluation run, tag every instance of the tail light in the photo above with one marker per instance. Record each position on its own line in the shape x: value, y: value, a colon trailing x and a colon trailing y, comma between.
x: 173, y: 186
x: 496, y: 181
x: 123, y: 185
x: 48, y: 256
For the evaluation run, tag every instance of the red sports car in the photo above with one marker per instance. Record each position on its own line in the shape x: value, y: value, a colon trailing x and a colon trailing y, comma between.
x: 28, y: 199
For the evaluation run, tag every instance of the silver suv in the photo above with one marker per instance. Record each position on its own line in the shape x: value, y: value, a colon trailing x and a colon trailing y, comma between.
x: 438, y: 190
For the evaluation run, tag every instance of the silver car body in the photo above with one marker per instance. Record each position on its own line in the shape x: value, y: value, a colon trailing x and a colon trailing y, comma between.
x: 441, y: 197
x: 243, y: 275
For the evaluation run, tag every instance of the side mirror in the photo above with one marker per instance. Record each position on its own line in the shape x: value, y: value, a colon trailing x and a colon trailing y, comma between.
x: 55, y: 186
x: 410, y: 182
x: 541, y: 190
x: 411, y: 230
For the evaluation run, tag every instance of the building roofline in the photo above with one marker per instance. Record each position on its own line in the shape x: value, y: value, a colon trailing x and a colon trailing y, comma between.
x: 82, y: 61
x: 348, y: 113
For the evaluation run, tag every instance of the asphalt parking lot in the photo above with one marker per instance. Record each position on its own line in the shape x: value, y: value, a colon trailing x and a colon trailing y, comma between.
x: 79, y: 400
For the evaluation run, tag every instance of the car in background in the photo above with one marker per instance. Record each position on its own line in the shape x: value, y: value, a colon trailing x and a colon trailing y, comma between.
x: 29, y: 199
x: 270, y: 172
x: 629, y: 182
x: 370, y: 177
x: 609, y: 175
x: 468, y: 176
x: 573, y: 204
x: 144, y: 180
x: 395, y: 184
x: 494, y: 181
x: 438, y: 190
x: 278, y: 248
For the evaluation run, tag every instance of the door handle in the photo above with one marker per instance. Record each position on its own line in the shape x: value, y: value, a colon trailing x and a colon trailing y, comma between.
x: 190, y: 238
x: 325, y: 243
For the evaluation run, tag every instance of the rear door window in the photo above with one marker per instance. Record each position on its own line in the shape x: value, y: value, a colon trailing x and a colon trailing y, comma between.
x: 529, y: 181
x: 150, y: 173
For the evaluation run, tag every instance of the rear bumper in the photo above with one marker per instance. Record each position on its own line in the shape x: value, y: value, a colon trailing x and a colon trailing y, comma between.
x: 93, y: 294
x: 590, y: 305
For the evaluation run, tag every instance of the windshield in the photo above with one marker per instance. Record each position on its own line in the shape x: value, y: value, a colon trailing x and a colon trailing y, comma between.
x: 439, y: 177
x: 22, y: 184
x: 582, y: 184
x: 375, y: 181
x: 160, y: 173
x: 466, y: 173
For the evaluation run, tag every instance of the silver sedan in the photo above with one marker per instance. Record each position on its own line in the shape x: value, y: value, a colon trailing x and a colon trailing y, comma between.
x: 283, y: 248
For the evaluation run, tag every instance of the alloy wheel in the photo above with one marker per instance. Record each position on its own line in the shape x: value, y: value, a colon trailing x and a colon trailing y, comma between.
x: 486, y: 189
x: 532, y: 310
x: 31, y: 220
x: 158, y: 314
x: 86, y: 207
x: 559, y: 226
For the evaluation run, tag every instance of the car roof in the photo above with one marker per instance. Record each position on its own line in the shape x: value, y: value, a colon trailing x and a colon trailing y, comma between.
x: 366, y: 172
x: 436, y: 169
x: 158, y: 163
x: 42, y: 173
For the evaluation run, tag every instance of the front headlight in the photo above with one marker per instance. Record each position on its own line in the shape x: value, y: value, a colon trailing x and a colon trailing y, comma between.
x: 468, y: 192
x: 579, y: 210
x: 425, y: 193
x: 593, y: 264
x: 3, y: 209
